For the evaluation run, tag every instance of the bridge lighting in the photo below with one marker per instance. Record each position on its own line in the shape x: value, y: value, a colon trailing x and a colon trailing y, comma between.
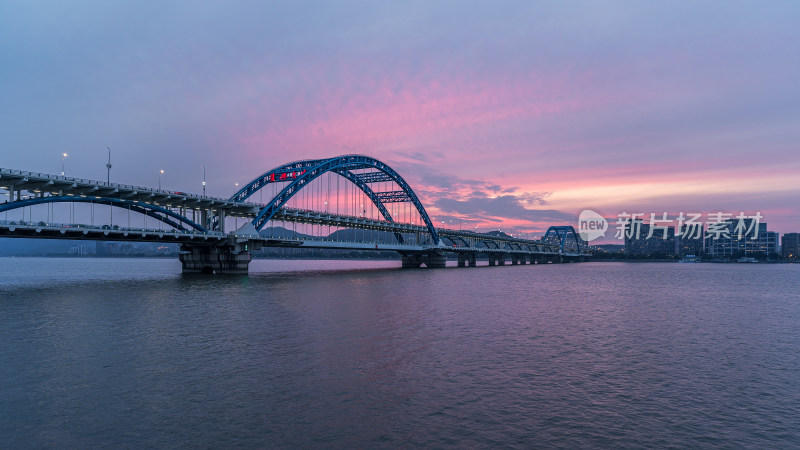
x: 161, y: 172
x: 63, y: 155
x: 108, y: 167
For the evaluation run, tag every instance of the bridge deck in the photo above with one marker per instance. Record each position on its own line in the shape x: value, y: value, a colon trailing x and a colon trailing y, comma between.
x: 36, y: 185
x: 106, y: 233
x: 41, y: 183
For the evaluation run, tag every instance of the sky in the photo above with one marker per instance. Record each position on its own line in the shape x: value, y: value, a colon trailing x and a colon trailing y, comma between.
x: 512, y: 115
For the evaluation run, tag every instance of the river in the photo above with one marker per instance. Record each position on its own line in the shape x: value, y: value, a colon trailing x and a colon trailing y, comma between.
x: 128, y: 353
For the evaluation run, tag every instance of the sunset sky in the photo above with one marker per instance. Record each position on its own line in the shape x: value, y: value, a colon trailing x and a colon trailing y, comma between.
x: 514, y: 114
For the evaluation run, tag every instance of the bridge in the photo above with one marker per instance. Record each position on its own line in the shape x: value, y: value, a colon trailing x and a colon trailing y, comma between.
x: 330, y: 200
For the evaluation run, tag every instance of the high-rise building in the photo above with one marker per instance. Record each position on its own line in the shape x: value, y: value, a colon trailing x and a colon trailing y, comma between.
x: 646, y: 239
x: 690, y: 240
x: 790, y: 245
x: 733, y: 238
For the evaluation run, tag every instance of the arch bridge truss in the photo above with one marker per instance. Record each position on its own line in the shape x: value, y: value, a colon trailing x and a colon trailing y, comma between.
x: 200, y: 220
x: 362, y: 171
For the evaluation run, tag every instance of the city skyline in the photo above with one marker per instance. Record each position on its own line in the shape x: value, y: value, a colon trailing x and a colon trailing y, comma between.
x: 515, y: 115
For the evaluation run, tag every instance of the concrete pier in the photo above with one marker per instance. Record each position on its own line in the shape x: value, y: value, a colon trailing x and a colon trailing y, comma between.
x: 431, y: 260
x: 435, y: 261
x: 466, y: 260
x: 231, y: 256
x: 210, y: 260
x: 411, y: 261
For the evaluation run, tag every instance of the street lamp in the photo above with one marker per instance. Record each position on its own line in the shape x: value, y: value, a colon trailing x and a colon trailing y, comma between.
x: 108, y: 167
x: 160, y: 172
x: 204, y: 180
x: 63, y: 155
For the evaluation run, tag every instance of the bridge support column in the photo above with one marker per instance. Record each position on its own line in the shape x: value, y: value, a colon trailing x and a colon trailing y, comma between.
x: 221, y: 220
x: 411, y: 261
x: 466, y: 260
x: 514, y: 260
x: 435, y: 261
x: 501, y: 260
x: 228, y: 258
x: 492, y: 260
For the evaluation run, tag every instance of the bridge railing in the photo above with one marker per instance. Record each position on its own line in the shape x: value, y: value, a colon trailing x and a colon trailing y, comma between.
x: 82, y: 226
x: 64, y: 178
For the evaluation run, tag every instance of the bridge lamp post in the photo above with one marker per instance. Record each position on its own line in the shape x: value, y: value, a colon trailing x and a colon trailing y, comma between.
x: 160, y: 172
x: 63, y: 155
x: 108, y: 167
x: 236, y: 218
x: 204, y: 180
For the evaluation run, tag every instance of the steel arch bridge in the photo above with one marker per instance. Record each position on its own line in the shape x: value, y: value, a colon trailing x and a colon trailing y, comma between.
x: 198, y: 221
x: 299, y: 173
x: 565, y: 235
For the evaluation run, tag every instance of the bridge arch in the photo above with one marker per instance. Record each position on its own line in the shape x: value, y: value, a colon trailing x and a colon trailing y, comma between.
x: 563, y: 233
x: 161, y: 214
x: 299, y: 173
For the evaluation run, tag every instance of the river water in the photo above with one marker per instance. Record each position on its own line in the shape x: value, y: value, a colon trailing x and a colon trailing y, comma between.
x: 351, y: 354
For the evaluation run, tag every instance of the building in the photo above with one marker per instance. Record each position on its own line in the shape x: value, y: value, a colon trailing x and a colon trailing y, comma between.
x: 790, y: 245
x: 645, y: 239
x: 731, y: 239
x: 690, y: 240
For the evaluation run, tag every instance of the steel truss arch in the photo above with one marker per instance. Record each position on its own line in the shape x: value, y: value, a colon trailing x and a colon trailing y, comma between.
x: 372, y: 196
x: 454, y: 238
x: 486, y: 242
x: 299, y: 173
x: 562, y: 233
x: 154, y: 211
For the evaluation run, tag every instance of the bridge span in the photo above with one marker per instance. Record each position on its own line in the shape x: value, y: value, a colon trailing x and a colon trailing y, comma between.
x: 329, y: 200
